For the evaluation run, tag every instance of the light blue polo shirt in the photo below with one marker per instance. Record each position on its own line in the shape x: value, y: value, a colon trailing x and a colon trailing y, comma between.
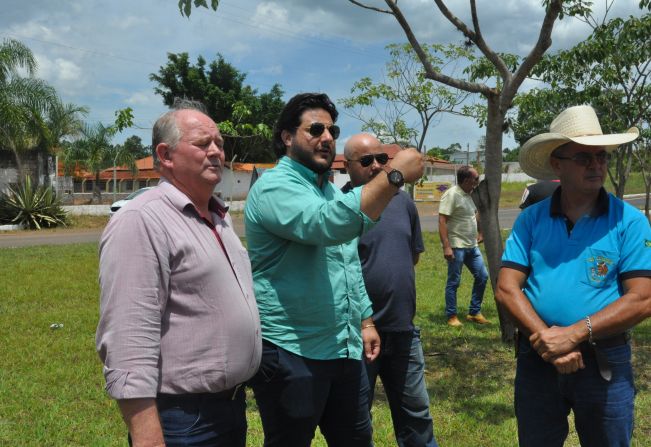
x: 574, y: 272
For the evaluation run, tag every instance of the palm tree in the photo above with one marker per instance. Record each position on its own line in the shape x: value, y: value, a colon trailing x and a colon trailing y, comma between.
x: 94, y: 152
x: 62, y: 121
x: 24, y: 101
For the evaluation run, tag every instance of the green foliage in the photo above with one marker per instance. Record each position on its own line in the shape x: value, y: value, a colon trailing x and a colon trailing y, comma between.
x: 482, y: 69
x: 443, y: 153
x: 610, y: 70
x: 32, y: 116
x: 401, y: 108
x: 30, y: 206
x: 185, y: 6
x: 134, y: 145
x: 244, y: 116
x: 24, y: 101
x: 511, y: 155
x: 123, y: 119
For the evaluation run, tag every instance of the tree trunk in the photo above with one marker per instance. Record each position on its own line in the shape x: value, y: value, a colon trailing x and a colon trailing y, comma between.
x: 96, y: 191
x: 20, y: 169
x: 487, y: 197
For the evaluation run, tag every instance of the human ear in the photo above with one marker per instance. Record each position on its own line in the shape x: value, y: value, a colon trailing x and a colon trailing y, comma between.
x: 286, y: 137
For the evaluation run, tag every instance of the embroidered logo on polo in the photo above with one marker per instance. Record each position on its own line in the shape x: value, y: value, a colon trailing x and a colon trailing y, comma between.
x: 599, y: 266
x: 647, y: 243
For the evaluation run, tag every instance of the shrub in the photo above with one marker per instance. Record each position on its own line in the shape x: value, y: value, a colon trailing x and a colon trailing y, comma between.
x: 33, y: 207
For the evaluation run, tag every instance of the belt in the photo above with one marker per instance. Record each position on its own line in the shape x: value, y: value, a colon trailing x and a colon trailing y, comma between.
x: 229, y: 394
x: 602, y: 360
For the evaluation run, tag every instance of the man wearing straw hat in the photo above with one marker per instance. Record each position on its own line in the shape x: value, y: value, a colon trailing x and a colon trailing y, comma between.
x: 576, y: 277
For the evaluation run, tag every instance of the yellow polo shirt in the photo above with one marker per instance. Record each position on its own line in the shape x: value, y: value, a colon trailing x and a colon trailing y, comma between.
x: 462, y: 221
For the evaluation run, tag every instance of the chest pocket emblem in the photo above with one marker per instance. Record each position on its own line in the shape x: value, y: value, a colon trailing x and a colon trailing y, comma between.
x: 599, y: 267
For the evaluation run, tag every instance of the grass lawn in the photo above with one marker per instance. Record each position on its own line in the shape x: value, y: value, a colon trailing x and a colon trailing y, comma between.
x: 51, y: 384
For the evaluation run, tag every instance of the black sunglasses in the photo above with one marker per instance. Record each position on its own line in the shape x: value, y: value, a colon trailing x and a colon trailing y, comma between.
x: 585, y: 158
x: 317, y: 129
x: 367, y: 160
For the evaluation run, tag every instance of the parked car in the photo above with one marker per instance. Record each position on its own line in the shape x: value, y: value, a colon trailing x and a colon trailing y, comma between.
x: 115, y: 207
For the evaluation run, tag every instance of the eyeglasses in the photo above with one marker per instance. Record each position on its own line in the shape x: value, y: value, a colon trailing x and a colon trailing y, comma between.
x: 317, y: 129
x: 367, y: 160
x: 585, y: 158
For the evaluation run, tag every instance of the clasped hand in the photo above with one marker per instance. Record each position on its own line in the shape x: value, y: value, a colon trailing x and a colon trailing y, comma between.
x: 556, y: 346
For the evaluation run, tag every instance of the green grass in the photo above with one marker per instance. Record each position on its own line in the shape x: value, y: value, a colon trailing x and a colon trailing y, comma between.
x: 51, y: 384
x: 87, y: 221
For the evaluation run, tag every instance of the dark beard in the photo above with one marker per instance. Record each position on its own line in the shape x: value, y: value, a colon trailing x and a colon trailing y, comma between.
x: 306, y: 158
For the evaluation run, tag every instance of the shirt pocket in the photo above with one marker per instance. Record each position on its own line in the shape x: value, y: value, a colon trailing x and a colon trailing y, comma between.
x: 600, y: 267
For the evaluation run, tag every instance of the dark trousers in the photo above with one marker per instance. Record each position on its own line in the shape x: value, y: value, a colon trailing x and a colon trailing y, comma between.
x: 401, y: 367
x: 295, y: 395
x: 203, y: 420
x: 603, y: 410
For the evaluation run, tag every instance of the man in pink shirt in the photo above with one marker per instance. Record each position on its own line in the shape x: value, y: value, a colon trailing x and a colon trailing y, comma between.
x: 179, y: 330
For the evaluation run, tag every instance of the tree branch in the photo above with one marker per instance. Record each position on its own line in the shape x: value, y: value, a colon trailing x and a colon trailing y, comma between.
x: 430, y: 72
x: 536, y: 53
x: 476, y: 37
x: 372, y: 8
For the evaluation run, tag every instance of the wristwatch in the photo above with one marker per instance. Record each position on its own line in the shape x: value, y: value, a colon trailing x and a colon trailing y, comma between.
x: 396, y: 178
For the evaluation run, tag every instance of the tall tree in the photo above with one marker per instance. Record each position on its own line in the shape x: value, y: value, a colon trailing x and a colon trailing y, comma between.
x: 24, y: 101
x: 388, y: 108
x: 611, y: 70
x: 506, y: 79
x: 94, y: 152
x: 62, y: 121
x: 134, y: 145
x: 244, y: 116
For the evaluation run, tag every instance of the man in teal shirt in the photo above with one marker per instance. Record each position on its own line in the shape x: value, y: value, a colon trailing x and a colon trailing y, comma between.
x: 314, y: 310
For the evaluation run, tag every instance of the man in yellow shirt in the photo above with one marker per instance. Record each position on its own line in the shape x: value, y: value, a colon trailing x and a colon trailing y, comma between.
x: 460, y: 236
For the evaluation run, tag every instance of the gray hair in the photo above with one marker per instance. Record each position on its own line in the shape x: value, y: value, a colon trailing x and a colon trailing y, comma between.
x: 166, y: 130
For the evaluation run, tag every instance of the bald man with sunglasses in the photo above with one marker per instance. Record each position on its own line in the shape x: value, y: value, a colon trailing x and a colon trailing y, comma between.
x: 301, y: 233
x: 388, y: 254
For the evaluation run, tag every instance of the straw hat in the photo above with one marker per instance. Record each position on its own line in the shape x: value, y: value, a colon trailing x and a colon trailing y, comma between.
x: 579, y: 124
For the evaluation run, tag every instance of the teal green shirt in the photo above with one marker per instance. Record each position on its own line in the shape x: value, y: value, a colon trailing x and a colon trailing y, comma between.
x: 306, y: 272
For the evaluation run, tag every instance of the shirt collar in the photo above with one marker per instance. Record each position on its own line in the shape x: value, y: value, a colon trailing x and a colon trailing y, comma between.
x: 181, y: 201
x: 304, y: 171
x: 600, y: 208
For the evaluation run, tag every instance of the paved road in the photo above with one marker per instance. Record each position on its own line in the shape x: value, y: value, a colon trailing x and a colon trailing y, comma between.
x: 428, y: 219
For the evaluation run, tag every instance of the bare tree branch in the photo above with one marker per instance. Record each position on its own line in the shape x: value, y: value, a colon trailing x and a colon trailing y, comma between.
x: 476, y: 37
x: 534, y: 56
x: 430, y: 72
x: 372, y: 8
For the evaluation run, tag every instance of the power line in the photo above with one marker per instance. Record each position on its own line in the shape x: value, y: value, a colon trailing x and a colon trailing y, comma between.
x: 85, y: 50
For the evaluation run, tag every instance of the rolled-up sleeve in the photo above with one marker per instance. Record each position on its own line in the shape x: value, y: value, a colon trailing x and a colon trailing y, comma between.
x: 286, y: 213
x: 134, y: 281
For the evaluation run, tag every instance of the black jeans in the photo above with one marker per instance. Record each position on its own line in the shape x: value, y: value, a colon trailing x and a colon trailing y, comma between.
x: 296, y: 394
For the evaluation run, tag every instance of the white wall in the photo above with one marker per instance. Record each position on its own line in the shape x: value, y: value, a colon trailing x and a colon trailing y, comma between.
x: 234, y: 186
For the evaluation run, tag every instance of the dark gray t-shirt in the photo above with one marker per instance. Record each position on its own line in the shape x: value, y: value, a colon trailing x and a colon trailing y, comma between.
x: 387, y: 254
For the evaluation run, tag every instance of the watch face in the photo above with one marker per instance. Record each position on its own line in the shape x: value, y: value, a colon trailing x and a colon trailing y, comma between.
x: 395, y: 178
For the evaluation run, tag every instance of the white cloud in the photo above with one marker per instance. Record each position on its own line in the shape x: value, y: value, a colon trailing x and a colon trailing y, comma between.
x: 143, y: 98
x: 129, y: 22
x: 100, y: 54
x: 271, y: 13
x: 68, y: 71
x: 274, y: 70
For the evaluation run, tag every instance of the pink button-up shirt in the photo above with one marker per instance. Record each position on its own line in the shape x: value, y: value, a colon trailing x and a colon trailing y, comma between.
x: 175, y: 317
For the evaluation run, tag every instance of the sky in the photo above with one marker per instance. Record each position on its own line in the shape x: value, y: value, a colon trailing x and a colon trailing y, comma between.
x: 100, y: 53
